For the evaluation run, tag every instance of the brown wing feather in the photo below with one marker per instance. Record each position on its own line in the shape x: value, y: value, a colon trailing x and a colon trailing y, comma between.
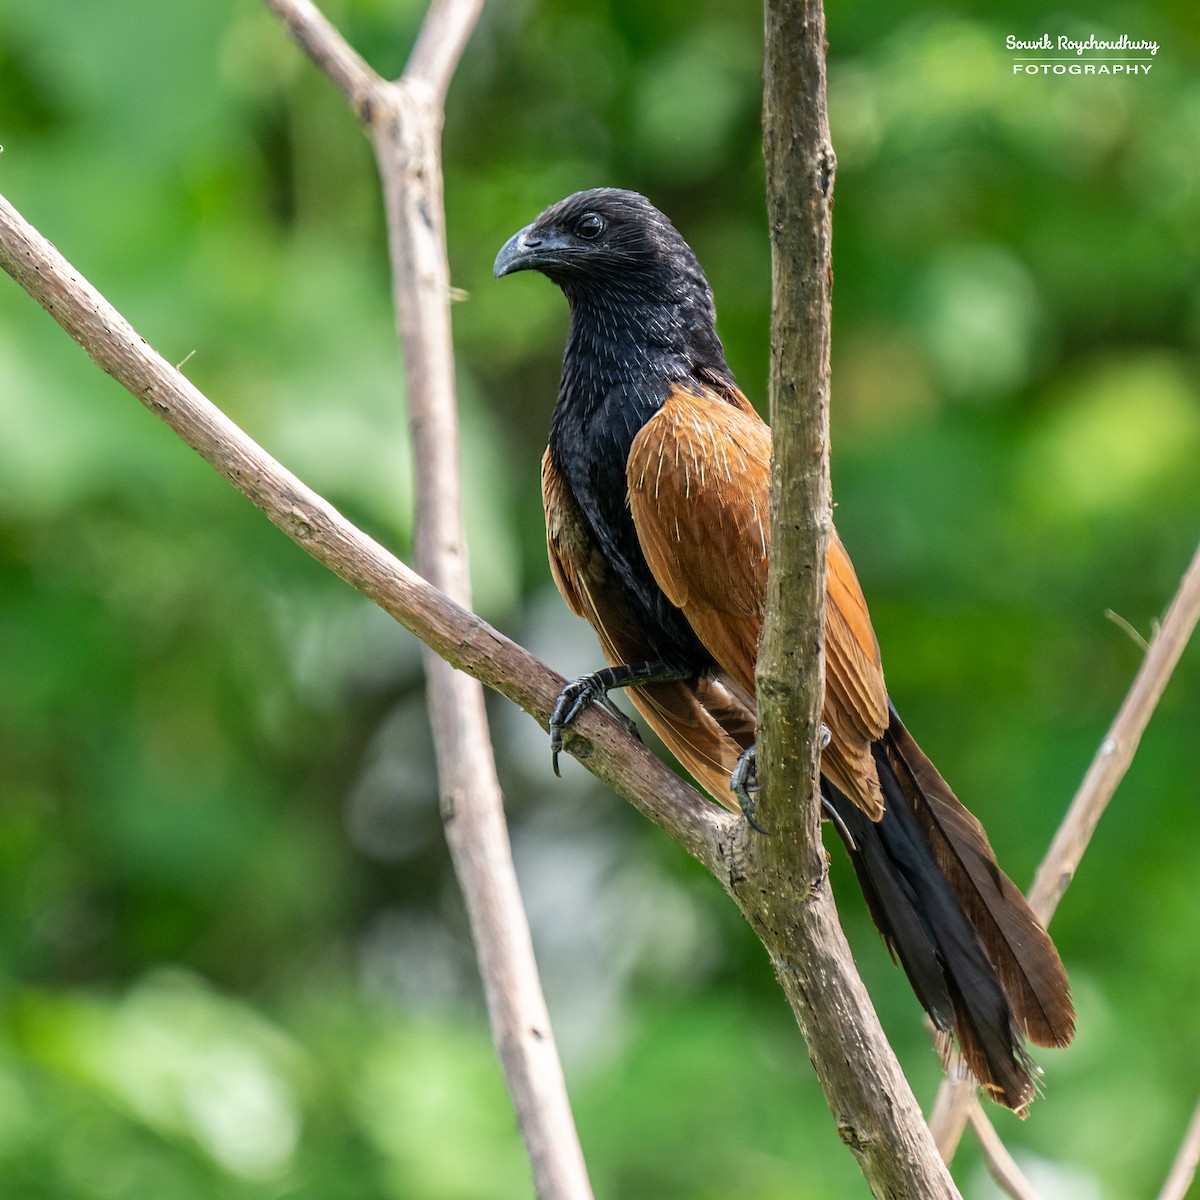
x: 856, y: 702
x: 701, y: 722
x: 699, y: 491
x: 699, y: 486
x: 573, y: 557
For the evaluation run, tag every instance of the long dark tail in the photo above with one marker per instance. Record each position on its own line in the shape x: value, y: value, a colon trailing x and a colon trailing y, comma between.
x: 978, y: 959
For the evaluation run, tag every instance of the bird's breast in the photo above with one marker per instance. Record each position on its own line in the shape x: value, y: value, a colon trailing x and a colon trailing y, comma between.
x: 589, y: 447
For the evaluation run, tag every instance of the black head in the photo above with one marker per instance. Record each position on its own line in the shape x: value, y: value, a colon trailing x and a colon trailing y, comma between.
x: 637, y: 293
x: 608, y: 242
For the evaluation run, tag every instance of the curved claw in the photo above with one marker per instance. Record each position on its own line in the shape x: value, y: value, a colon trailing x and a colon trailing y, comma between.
x: 572, y: 700
x: 744, y: 782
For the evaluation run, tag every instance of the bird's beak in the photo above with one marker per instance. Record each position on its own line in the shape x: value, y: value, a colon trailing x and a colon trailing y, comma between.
x: 526, y: 251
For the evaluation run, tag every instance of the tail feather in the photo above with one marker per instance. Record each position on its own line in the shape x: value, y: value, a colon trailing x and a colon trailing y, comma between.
x: 895, y: 907
x: 926, y: 928
x: 1019, y: 948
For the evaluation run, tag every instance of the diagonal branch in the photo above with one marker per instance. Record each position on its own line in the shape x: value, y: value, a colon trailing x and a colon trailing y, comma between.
x: 466, y: 641
x: 1183, y: 1170
x: 957, y: 1095
x: 1000, y: 1163
x: 1119, y: 746
x: 329, y: 51
x: 449, y: 629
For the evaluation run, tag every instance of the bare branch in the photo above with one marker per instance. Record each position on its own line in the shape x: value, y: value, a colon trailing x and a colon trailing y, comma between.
x: 602, y: 744
x: 791, y: 670
x: 406, y: 120
x: 1000, y: 1163
x: 779, y: 880
x: 957, y: 1095
x: 318, y: 38
x: 1183, y: 1170
x: 1118, y: 748
x: 440, y: 44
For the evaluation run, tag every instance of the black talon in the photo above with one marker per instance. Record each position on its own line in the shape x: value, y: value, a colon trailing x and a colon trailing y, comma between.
x: 571, y: 702
x: 594, y: 689
x: 743, y: 782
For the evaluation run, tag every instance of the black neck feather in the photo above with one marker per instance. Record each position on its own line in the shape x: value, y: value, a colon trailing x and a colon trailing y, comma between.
x: 636, y: 347
x: 624, y: 356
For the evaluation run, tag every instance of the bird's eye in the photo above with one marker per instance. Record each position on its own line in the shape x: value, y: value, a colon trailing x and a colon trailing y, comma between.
x: 590, y: 226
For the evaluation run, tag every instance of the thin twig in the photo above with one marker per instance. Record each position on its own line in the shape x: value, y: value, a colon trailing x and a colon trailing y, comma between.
x: 318, y: 38
x: 1119, y: 746
x: 1000, y: 1164
x: 956, y: 1099
x: 1183, y: 1170
x: 957, y: 1094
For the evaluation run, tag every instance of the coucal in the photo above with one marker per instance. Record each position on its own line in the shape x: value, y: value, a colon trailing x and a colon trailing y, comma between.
x: 656, y: 489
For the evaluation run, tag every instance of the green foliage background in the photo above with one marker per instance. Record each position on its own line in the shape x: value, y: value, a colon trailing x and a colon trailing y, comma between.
x: 233, y: 962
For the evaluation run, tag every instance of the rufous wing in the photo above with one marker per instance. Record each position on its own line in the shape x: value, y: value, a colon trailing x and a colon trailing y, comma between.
x: 856, y: 701
x: 699, y: 492
x: 701, y: 722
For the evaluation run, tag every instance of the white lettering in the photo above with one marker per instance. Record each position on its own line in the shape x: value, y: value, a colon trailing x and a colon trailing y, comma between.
x: 1081, y: 46
x: 1124, y: 42
x: 1074, y: 68
x: 1042, y: 43
x: 1135, y: 64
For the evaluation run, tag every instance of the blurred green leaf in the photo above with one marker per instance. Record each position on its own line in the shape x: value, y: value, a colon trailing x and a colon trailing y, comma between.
x: 232, y: 959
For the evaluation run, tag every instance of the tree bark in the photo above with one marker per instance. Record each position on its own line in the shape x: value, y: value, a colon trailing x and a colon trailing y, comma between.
x: 780, y: 880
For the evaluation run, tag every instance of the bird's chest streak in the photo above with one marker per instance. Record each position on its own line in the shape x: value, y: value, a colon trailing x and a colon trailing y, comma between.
x: 590, y: 439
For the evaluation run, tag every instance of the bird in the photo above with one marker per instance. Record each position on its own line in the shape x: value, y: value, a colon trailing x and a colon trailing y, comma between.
x: 656, y: 487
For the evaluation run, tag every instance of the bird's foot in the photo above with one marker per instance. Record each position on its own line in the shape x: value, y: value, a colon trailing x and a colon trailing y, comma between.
x: 573, y: 699
x: 744, y: 782
x: 744, y: 785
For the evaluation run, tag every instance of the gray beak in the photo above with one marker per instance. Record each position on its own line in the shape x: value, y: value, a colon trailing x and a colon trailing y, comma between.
x: 513, y: 255
x: 527, y: 251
